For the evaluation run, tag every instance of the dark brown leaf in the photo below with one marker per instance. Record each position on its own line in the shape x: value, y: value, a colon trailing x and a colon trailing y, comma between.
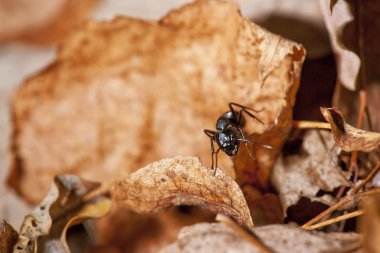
x: 8, y: 237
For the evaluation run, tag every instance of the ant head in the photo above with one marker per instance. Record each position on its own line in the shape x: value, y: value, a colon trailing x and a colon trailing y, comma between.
x: 227, y: 140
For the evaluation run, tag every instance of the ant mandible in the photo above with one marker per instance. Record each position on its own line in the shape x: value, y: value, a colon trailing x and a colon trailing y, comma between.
x: 229, y: 133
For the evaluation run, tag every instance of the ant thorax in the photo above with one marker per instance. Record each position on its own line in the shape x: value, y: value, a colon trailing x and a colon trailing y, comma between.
x: 228, y: 119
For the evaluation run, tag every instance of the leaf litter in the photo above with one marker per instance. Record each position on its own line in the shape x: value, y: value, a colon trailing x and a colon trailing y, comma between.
x: 44, y: 230
x: 217, y: 237
x: 314, y: 169
x: 263, y: 65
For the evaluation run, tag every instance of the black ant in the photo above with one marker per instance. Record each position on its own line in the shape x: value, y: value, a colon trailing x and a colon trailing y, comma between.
x: 229, y: 133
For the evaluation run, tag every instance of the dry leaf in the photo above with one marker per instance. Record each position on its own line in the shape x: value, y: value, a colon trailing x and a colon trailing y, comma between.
x: 96, y: 209
x: 63, y: 206
x: 265, y: 208
x: 25, y: 20
x: 206, y: 237
x: 182, y: 181
x: 8, y: 237
x: 348, y: 62
x: 353, y: 27
x: 127, y: 92
x: 315, y: 169
x: 348, y: 137
x: 369, y: 224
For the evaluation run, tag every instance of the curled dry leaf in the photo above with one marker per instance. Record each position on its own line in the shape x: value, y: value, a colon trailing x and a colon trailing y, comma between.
x: 348, y: 137
x: 46, y: 226
x: 8, y: 237
x: 182, y: 181
x: 315, y: 169
x: 337, y: 15
x: 353, y: 27
x: 126, y: 92
x: 206, y: 237
x: 369, y: 224
x: 25, y: 20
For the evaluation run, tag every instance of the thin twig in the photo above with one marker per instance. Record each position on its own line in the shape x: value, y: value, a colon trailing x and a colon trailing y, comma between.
x: 367, y: 179
x: 354, y: 155
x: 359, y: 124
x: 340, y: 203
x: 336, y: 219
x: 303, y: 124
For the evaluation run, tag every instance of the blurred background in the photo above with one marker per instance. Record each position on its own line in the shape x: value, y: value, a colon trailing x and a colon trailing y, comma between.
x: 31, y: 30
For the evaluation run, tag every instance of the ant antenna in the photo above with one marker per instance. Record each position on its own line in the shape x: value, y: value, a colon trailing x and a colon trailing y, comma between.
x: 255, y: 143
x: 246, y: 143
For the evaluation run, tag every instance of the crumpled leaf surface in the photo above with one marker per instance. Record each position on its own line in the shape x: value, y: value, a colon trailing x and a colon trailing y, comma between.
x: 182, y: 181
x: 369, y: 224
x: 353, y: 28
x: 8, y: 237
x: 337, y: 15
x: 348, y: 137
x: 25, y: 20
x: 126, y: 92
x: 207, y: 237
x: 314, y: 169
x: 45, y: 227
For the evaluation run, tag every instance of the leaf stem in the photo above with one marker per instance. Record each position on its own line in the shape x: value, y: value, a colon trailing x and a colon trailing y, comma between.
x: 339, y: 204
x: 336, y: 219
x: 303, y: 124
x: 366, y: 180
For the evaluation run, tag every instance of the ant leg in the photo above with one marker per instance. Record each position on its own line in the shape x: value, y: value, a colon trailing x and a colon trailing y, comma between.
x: 216, y: 161
x: 245, y: 109
x: 256, y: 143
x: 211, y: 134
x: 253, y: 116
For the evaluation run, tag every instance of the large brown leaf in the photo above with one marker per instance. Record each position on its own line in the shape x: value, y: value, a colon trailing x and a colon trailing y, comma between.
x: 182, y: 181
x: 127, y: 92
